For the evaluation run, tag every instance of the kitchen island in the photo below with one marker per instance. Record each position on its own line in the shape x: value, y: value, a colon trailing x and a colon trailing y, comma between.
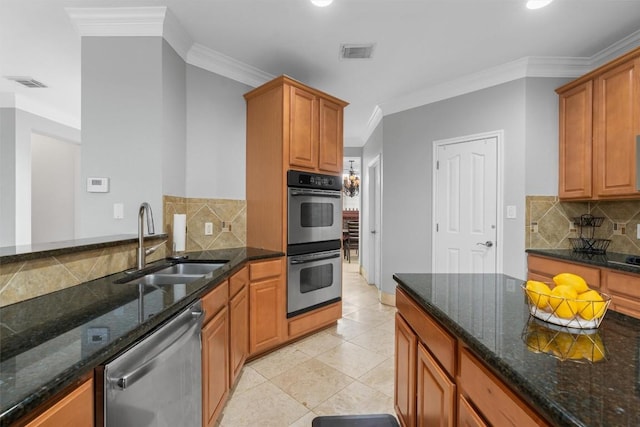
x: 52, y: 342
x: 475, y: 333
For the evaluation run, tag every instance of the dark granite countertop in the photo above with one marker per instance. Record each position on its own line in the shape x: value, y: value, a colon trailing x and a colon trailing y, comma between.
x: 489, y: 315
x: 49, y: 342
x: 41, y: 250
x: 612, y: 260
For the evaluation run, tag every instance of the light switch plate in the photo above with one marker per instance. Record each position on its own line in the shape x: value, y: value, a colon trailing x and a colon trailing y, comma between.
x: 511, y: 212
x: 208, y: 228
x: 118, y: 211
x: 638, y: 231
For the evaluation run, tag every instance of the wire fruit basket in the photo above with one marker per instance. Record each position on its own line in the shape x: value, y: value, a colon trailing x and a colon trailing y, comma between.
x: 586, y: 243
x: 563, y: 343
x: 568, y: 312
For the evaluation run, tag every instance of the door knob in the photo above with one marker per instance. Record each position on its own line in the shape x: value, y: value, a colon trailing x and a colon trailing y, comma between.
x: 488, y: 243
x: 373, y: 231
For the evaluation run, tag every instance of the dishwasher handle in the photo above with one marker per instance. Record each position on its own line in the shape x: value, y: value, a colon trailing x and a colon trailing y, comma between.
x: 186, y: 330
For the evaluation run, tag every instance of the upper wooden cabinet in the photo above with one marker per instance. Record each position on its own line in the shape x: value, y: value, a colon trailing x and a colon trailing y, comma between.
x: 289, y: 126
x: 599, y: 124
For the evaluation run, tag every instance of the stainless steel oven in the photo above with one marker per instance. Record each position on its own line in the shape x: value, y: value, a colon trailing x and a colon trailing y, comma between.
x: 314, y: 207
x: 314, y: 278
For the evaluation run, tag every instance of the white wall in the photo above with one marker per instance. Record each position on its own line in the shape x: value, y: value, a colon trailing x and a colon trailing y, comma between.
x: 216, y: 136
x: 55, y: 177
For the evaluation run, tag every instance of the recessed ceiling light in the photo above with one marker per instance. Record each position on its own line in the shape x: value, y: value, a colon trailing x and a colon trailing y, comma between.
x: 321, y: 3
x: 537, y: 4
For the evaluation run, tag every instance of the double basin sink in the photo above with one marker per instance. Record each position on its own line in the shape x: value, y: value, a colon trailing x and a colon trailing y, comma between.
x: 184, y: 272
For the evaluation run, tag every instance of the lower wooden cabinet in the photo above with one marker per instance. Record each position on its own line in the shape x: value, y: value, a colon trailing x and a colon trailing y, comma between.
x: 215, y: 366
x: 267, y: 305
x: 73, y: 410
x: 622, y: 287
x: 406, y: 343
x: 467, y: 416
x: 435, y: 393
x: 238, y: 330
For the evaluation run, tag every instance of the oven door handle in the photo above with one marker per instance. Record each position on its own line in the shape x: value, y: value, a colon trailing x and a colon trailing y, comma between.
x: 307, y: 260
x: 315, y: 193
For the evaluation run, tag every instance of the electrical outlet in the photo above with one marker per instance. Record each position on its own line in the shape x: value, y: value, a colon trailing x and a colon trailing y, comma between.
x: 534, y: 227
x: 226, y: 226
x: 572, y: 226
x: 618, y: 228
x: 208, y: 228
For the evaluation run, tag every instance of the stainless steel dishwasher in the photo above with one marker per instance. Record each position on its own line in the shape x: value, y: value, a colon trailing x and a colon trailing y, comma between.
x: 157, y: 382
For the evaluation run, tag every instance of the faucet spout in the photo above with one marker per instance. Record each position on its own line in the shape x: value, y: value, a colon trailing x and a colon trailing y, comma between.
x: 141, y: 253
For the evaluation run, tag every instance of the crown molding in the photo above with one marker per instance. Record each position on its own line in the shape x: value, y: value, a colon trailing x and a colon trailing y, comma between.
x: 216, y: 62
x: 117, y: 21
x: 615, y: 50
x: 22, y: 102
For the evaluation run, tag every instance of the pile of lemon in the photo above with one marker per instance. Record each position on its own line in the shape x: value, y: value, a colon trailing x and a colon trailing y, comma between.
x: 570, y: 297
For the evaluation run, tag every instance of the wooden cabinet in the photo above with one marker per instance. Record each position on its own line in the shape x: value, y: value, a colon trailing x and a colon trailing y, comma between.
x: 75, y: 409
x: 215, y: 353
x: 622, y: 287
x: 599, y: 122
x: 238, y: 322
x: 289, y: 126
x: 267, y: 305
x: 435, y: 393
x: 497, y: 404
x: 438, y: 382
x: 315, y: 130
x: 405, y: 373
x: 624, y: 290
x: 616, y: 125
x: 576, y: 107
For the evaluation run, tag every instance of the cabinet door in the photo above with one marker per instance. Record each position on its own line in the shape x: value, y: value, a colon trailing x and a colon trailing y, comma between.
x: 616, y: 125
x: 576, y: 112
x: 405, y: 373
x: 238, y: 333
x: 467, y: 416
x: 73, y: 410
x: 303, y: 129
x: 624, y: 290
x: 215, y: 367
x: 435, y: 393
x: 266, y: 314
x: 330, y: 139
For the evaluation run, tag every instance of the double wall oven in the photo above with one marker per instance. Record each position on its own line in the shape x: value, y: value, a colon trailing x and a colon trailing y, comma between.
x: 314, y: 231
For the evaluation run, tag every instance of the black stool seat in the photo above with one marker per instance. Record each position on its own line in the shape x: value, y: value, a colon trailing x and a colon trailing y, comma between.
x: 374, y: 420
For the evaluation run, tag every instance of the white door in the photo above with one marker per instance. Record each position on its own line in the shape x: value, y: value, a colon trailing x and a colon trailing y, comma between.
x: 375, y: 196
x: 465, y: 206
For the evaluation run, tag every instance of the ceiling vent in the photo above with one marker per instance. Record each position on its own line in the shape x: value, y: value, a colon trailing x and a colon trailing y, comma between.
x: 26, y: 81
x: 356, y: 51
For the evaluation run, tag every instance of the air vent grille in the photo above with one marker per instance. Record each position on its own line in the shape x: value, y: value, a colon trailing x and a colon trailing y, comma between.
x: 26, y: 81
x: 356, y: 51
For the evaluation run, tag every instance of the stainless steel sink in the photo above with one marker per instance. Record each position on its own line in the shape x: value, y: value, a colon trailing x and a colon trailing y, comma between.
x: 177, y: 273
x: 191, y: 268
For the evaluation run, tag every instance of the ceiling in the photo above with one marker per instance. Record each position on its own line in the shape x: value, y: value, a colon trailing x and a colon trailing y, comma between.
x: 424, y: 49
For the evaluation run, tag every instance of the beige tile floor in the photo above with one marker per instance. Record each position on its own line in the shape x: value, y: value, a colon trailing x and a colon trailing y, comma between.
x: 345, y: 369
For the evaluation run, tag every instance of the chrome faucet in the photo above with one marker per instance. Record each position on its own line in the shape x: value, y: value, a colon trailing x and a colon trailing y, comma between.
x: 142, y: 252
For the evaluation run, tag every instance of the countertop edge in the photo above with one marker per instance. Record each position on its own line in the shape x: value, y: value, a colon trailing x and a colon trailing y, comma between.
x: 71, y: 375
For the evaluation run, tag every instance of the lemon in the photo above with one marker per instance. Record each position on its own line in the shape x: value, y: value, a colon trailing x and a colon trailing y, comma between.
x: 538, y: 293
x: 590, y: 305
x: 562, y: 300
x: 573, y: 280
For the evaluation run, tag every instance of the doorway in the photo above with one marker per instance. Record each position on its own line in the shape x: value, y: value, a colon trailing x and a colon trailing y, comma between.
x: 467, y: 195
x: 374, y: 235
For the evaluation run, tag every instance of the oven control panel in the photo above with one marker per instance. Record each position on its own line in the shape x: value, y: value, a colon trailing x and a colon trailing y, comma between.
x: 313, y: 180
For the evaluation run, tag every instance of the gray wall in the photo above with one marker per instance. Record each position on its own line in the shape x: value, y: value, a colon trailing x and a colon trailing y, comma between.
x: 7, y: 177
x: 525, y: 109
x: 16, y: 127
x: 132, y: 126
x: 216, y: 141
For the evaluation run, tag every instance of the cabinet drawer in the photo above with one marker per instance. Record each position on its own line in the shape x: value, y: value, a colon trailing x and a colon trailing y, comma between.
x: 622, y: 284
x: 549, y: 267
x: 264, y: 269
x: 74, y: 409
x: 440, y: 343
x: 314, y: 320
x: 498, y: 405
x: 215, y: 300
x: 238, y: 280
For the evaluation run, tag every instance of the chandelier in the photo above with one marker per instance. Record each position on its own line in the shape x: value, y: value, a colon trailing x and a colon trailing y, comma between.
x: 351, y: 183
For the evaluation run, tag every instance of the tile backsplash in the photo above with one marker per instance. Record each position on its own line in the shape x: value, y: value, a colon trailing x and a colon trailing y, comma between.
x: 549, y: 223
x: 23, y: 280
